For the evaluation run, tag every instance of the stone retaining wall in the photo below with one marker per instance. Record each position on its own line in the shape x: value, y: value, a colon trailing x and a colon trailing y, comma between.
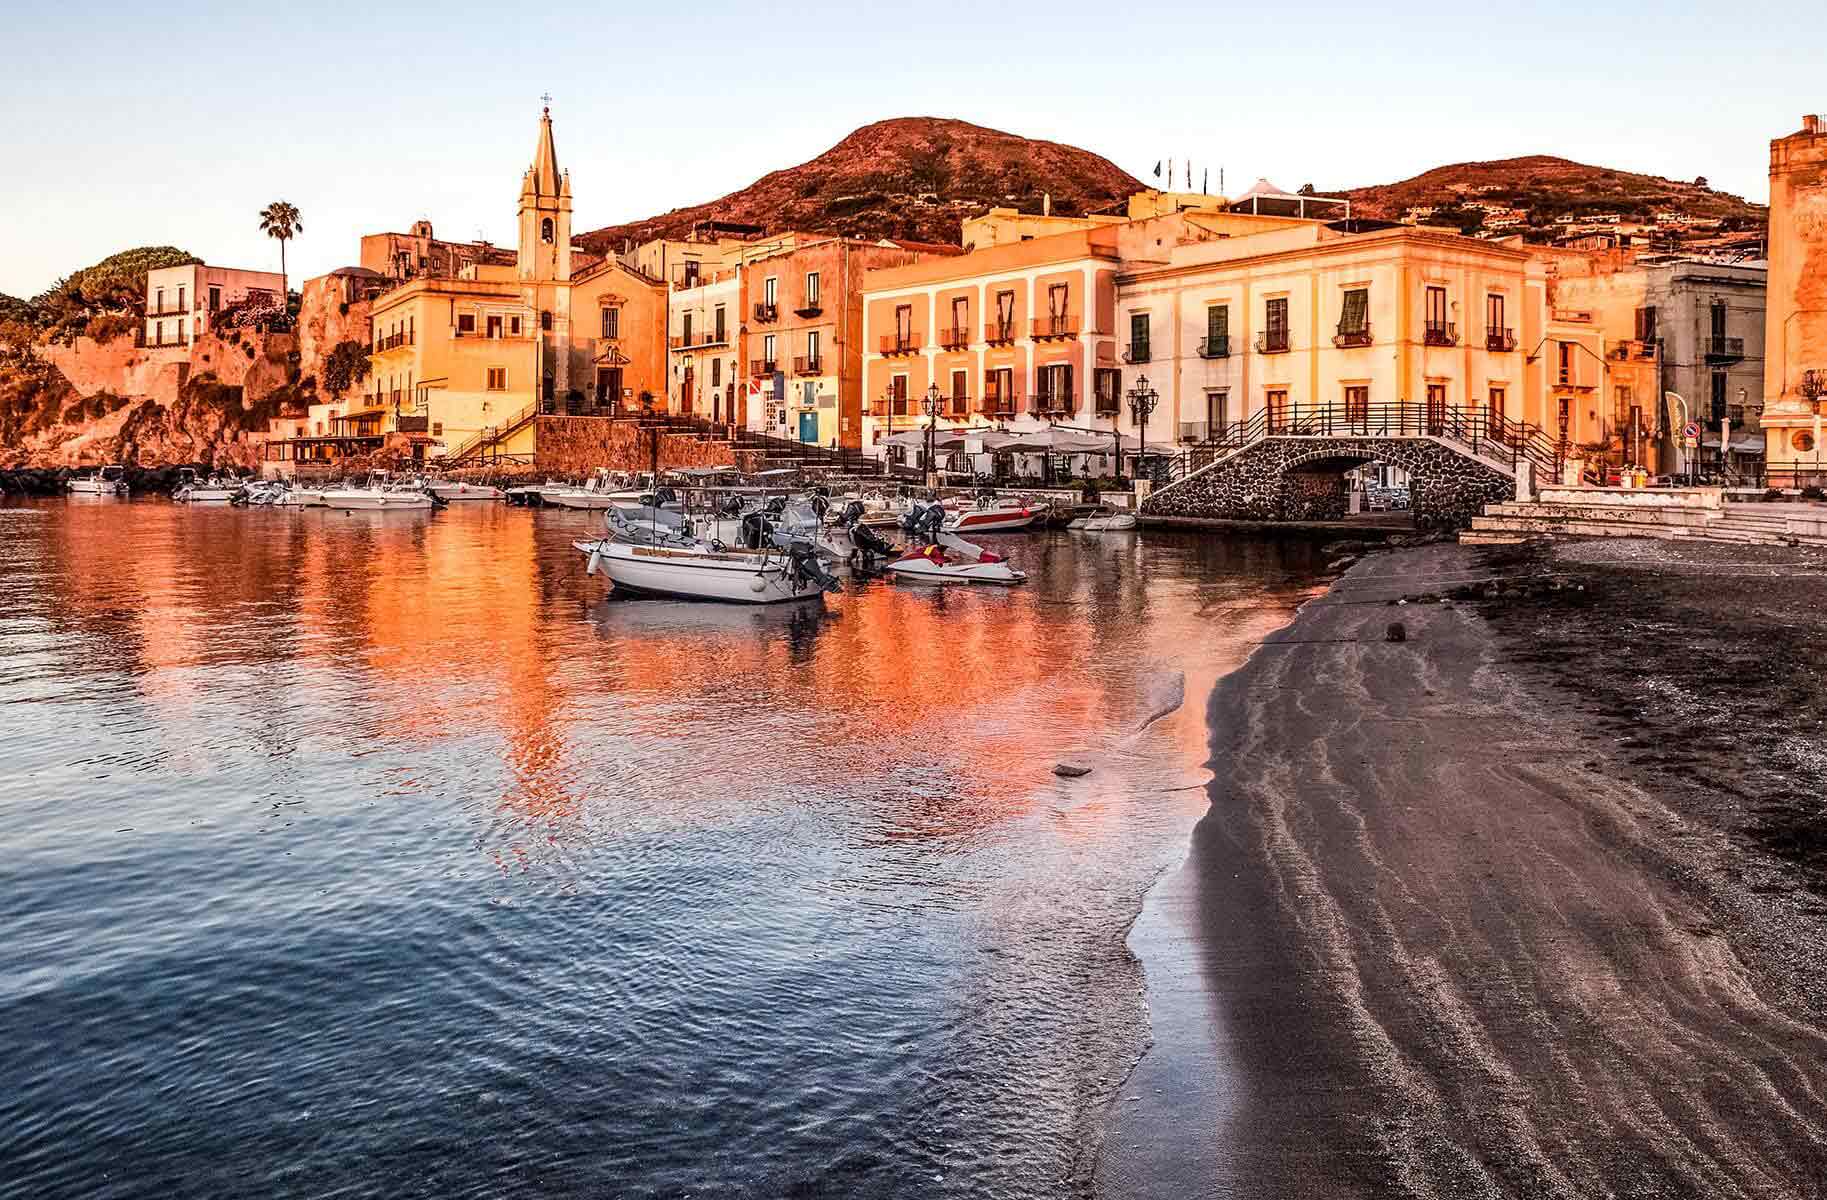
x: 1302, y: 479
x: 579, y: 445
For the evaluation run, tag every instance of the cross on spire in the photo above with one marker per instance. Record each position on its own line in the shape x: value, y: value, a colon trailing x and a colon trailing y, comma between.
x: 546, y: 99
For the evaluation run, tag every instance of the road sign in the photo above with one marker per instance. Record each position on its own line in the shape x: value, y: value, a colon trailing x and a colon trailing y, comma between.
x: 1692, y: 431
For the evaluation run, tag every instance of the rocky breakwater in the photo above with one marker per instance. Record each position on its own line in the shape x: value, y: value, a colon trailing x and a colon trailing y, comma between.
x: 55, y: 481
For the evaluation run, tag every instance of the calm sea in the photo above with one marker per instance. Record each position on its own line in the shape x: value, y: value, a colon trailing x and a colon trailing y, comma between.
x: 384, y: 855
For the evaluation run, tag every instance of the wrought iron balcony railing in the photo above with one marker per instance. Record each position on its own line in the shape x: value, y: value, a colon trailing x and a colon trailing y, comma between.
x: 1347, y: 338
x: 1136, y: 352
x: 901, y: 343
x: 762, y: 366
x: 1272, y: 341
x: 999, y: 333
x: 1215, y: 345
x: 1725, y: 349
x: 954, y: 339
x: 1440, y: 334
x: 1057, y: 325
x: 767, y: 313
x: 809, y: 364
x: 1500, y: 341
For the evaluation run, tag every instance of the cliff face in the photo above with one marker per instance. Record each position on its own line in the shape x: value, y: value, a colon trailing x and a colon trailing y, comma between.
x: 912, y: 178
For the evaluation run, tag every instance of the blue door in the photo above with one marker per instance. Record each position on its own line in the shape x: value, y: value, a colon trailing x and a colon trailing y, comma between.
x: 808, y: 427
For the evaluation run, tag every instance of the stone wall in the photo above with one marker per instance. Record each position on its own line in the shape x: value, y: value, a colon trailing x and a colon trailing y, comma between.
x: 579, y: 445
x: 326, y: 316
x: 1302, y: 479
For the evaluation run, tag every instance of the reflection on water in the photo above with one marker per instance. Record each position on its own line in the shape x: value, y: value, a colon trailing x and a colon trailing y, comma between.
x: 381, y: 854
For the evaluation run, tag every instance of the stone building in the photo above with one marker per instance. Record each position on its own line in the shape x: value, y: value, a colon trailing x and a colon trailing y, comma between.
x: 1795, y: 328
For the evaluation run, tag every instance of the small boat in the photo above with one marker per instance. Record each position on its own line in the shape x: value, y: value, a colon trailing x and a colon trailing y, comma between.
x: 449, y: 490
x: 1106, y: 520
x: 214, y: 490
x: 301, y: 497
x: 936, y: 555
x: 534, y: 495
x: 996, y: 514
x: 657, y: 558
x: 380, y: 495
x: 110, y: 480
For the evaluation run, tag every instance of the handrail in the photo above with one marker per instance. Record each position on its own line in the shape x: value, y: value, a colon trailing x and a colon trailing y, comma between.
x: 494, y: 433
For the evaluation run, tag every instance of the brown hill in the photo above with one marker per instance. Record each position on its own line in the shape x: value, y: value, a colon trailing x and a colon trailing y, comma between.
x: 1548, y: 187
x: 911, y: 178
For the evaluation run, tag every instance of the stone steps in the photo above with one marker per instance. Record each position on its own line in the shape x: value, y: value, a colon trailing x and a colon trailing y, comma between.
x: 1605, y: 513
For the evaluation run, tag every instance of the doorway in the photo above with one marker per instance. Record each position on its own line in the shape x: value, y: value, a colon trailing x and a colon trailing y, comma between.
x: 808, y: 428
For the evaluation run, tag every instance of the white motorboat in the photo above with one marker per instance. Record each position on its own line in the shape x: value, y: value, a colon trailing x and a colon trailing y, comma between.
x: 381, y: 498
x: 110, y: 480
x: 534, y: 494
x: 300, y: 497
x: 214, y: 490
x: 657, y: 559
x: 1105, y: 520
x: 996, y: 514
x: 450, y: 490
x: 951, y: 559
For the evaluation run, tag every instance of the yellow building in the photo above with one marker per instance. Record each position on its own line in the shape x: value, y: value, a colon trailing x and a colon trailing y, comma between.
x: 465, y: 364
x: 1795, y: 324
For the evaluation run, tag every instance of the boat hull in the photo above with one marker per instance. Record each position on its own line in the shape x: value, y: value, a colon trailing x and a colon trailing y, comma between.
x: 205, y: 495
x: 728, y: 577
x: 452, y: 492
x: 376, y: 501
x: 995, y: 522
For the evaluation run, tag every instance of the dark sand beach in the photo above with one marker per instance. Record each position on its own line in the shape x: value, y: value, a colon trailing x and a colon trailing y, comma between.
x: 1530, y: 903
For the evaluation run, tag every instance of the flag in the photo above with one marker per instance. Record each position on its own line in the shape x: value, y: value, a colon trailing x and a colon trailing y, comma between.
x: 1157, y: 168
x: 1205, y: 181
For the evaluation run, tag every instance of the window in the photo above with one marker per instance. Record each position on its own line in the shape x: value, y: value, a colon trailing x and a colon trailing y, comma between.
x: 1005, y: 313
x: 494, y: 326
x: 497, y: 379
x: 181, y: 301
x: 685, y: 329
x: 716, y: 372
x: 1718, y: 315
x: 411, y: 331
x: 1276, y: 402
x: 961, y: 320
x: 1439, y: 330
x: 770, y: 291
x: 1056, y: 395
x: 812, y: 347
x: 1138, y: 337
x: 1719, y: 396
x: 158, y: 300
x: 767, y: 351
x: 1107, y: 385
x: 1357, y: 403
x: 466, y: 323
x: 897, y: 391
x: 961, y: 393
x: 1564, y: 351
x: 1275, y: 321
x: 720, y: 324
x: 1354, y: 316
x: 1497, y: 403
x: 545, y: 231
x: 215, y: 299
x: 612, y: 322
x: 903, y: 326
x: 811, y: 289
x: 545, y: 318
x: 514, y: 326
x: 1436, y: 405
x: 1646, y: 324
x: 1217, y: 330
x: 1217, y: 412
x: 1059, y: 295
x: 1494, y: 313
x: 999, y: 391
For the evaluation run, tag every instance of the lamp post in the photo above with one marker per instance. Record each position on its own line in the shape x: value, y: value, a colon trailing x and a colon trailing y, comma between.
x: 1142, y: 401
x: 1566, y: 407
x: 929, y: 404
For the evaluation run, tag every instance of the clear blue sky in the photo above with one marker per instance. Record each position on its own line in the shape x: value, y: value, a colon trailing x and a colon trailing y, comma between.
x: 132, y: 124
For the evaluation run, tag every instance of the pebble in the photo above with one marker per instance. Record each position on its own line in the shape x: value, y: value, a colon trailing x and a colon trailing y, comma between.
x: 1070, y: 770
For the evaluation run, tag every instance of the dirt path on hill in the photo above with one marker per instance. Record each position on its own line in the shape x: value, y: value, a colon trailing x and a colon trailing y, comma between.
x: 1451, y: 928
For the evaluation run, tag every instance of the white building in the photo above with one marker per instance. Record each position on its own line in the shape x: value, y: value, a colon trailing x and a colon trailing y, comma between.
x: 182, y: 303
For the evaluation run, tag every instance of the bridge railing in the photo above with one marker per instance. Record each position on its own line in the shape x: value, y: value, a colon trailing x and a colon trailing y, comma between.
x: 1486, y: 434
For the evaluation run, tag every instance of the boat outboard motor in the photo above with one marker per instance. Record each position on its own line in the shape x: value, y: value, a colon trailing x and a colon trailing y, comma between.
x: 755, y: 530
x: 804, y: 563
x: 664, y: 496
x: 732, y: 507
x: 819, y: 504
x: 924, y: 520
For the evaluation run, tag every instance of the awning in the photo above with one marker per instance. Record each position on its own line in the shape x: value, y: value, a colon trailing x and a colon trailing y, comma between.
x: 366, y: 412
x: 1754, y: 444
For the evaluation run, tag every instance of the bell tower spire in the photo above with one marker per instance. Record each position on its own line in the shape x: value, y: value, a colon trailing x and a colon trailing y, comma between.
x: 545, y: 212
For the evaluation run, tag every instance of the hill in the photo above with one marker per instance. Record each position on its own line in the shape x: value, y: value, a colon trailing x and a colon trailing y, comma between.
x: 911, y: 178
x: 1548, y: 193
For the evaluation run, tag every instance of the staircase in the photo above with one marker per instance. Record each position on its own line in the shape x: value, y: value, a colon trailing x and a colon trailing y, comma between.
x: 493, y: 436
x: 1675, y: 514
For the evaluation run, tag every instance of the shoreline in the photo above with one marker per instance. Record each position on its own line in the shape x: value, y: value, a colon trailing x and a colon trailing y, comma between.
x: 1440, y: 934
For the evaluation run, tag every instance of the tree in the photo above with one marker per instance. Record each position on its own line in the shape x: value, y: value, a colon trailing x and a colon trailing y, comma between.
x: 345, y: 366
x: 280, y: 220
x: 1306, y: 189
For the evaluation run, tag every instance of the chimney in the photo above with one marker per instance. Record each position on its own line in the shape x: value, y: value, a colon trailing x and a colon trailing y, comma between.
x: 1811, y: 123
x: 1046, y: 198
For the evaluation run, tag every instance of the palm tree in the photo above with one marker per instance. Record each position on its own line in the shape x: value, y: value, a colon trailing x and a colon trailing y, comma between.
x: 280, y: 220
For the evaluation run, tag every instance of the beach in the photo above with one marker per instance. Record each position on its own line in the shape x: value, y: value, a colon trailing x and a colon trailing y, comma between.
x: 1526, y: 903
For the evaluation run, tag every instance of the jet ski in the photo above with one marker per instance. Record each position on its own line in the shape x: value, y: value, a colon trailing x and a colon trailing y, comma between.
x: 935, y: 556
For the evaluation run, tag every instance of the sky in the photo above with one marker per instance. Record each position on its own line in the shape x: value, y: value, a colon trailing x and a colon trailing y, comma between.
x: 128, y: 125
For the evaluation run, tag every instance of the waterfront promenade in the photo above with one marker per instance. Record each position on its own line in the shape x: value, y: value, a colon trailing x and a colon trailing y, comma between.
x: 1516, y: 906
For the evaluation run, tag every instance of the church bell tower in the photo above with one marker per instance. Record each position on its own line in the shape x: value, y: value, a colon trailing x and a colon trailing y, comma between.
x: 545, y: 214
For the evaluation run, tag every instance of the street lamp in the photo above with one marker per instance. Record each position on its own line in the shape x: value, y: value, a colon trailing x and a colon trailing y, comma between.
x: 929, y: 404
x: 1142, y: 401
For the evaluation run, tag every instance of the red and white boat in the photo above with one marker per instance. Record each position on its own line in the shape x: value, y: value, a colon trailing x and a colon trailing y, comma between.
x: 994, y: 514
x: 954, y: 560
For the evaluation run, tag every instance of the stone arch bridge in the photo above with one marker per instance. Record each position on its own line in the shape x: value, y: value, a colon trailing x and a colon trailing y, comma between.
x: 1458, y: 461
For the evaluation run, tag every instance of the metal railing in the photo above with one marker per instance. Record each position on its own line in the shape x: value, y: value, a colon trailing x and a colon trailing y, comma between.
x: 1056, y: 325
x: 1725, y: 349
x: 811, y: 306
x: 493, y: 434
x: 1440, y: 333
x: 1480, y: 431
x: 1272, y: 341
x: 767, y: 313
x: 1003, y: 405
x: 901, y: 343
x: 1136, y: 352
x: 1215, y: 345
x: 1054, y: 403
x: 808, y: 365
x: 954, y: 339
x: 1500, y: 341
x: 394, y: 341
x: 1346, y: 338
x: 999, y: 333
x: 762, y: 366
x: 162, y: 311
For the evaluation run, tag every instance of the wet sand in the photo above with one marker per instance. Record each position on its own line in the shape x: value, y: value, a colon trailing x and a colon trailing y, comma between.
x: 1448, y: 931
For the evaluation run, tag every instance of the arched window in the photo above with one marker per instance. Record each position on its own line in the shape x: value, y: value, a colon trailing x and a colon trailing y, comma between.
x: 545, y: 231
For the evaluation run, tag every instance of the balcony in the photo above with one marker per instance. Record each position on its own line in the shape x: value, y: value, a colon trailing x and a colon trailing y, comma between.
x: 1054, y: 404
x: 1107, y: 406
x: 809, y: 365
x: 954, y: 339
x: 177, y: 339
x: 393, y: 342
x: 1500, y: 341
x: 1272, y: 341
x: 1136, y: 352
x: 1346, y: 339
x: 1215, y: 345
x: 767, y: 314
x: 1002, y: 405
x: 762, y: 366
x: 905, y: 342
x: 701, y: 341
x: 1440, y: 333
x: 957, y: 406
x: 1193, y: 431
x: 999, y: 333
x: 811, y: 306
x: 163, y: 311
x: 1054, y: 328
x: 1721, y: 350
